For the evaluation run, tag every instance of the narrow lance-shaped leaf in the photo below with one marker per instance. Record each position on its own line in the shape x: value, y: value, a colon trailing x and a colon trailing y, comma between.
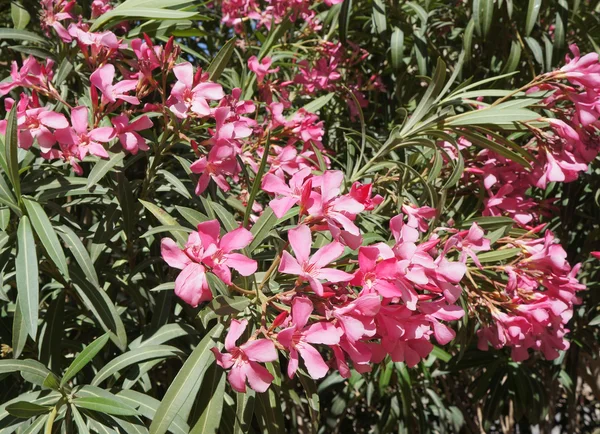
x: 47, y: 235
x: 11, y: 148
x: 84, y: 358
x: 27, y: 276
x: 217, y: 66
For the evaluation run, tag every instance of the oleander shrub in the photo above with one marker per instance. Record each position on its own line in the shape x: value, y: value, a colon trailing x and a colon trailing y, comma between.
x: 299, y: 216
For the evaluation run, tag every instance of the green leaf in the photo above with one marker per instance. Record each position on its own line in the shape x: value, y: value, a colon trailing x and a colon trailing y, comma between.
x: 486, y: 143
x: 492, y: 116
x: 80, y: 423
x: 276, y: 32
x: 260, y: 230
x: 532, y: 13
x: 165, y: 219
x: 50, y: 350
x: 244, y: 411
x: 24, y: 366
x: 225, y: 217
x: 211, y: 401
x: 19, y: 331
x: 514, y: 58
x: 26, y: 267
x: 498, y: 255
x: 11, y: 149
x: 136, y: 9
x: 379, y: 16
x: 344, y: 23
x: 147, y: 406
x: 536, y: 49
x: 218, y: 64
x: 268, y: 404
x: 397, y: 47
x: 180, y: 389
x: 133, y: 357
x: 441, y: 354
x: 223, y: 305
x: 84, y: 358
x: 318, y: 103
x: 256, y: 184
x: 468, y: 40
x: 102, y: 307
x: 78, y: 250
x: 20, y: 16
x: 560, y: 24
x: 47, y: 235
x: 102, y: 167
x: 105, y: 405
x: 25, y: 409
x: 21, y: 35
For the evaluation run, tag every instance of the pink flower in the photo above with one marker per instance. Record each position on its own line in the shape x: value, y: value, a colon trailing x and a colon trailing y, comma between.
x: 30, y: 74
x: 595, y: 255
x: 299, y: 336
x: 86, y: 141
x: 244, y: 360
x: 127, y: 132
x: 190, y: 95
x: 298, y: 190
x: 312, y: 269
x: 191, y: 285
x: 417, y: 217
x: 362, y: 194
x: 261, y: 69
x: 218, y: 251
x: 103, y: 78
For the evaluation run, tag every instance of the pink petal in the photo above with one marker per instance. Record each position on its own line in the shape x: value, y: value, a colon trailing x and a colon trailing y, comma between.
x: 322, y: 333
x: 209, y: 90
x: 103, y: 77
x: 223, y: 360
x: 315, y: 365
x: 236, y: 329
x: 302, y: 307
x: 327, y: 254
x: 333, y: 275
x: 237, y: 377
x: 172, y: 254
x: 244, y: 265
x: 98, y: 150
x: 274, y: 184
x: 102, y: 134
x: 292, y: 363
x: 282, y: 205
x: 316, y: 285
x: 209, y: 232
x: 191, y: 285
x: 443, y: 334
x: 184, y: 73
x: 258, y: 376
x: 143, y: 123
x: 53, y: 119
x: 79, y: 119
x: 236, y: 240
x: 260, y: 350
x: 301, y: 241
x: 289, y: 265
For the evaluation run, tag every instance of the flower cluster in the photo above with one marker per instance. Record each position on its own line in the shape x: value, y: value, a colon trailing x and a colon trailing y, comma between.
x: 531, y: 308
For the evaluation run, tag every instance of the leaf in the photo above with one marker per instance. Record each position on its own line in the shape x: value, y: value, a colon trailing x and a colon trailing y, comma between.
x: 379, y: 16
x: 181, y: 387
x: 225, y: 217
x: 191, y: 215
x: 260, y: 230
x: 441, y: 354
x: 136, y: 9
x: 344, y: 22
x: 268, y: 404
x: 492, y: 116
x: 50, y: 350
x: 79, y: 421
x: 211, y: 401
x: 486, y: 143
x: 223, y: 305
x: 147, y: 406
x: 20, y: 16
x: 26, y: 267
x: 102, y: 307
x: 135, y: 356
x: 536, y: 49
x: 11, y: 149
x: 24, y: 366
x: 218, y: 64
x: 532, y: 13
x: 84, y: 358
x: 397, y: 47
x: 486, y: 13
x: 244, y: 411
x: 560, y: 24
x: 78, y: 250
x: 468, y: 40
x: 19, y: 331
x: 47, y: 235
x: 102, y: 167
x: 514, y: 58
x: 105, y: 405
x: 25, y: 409
x: 257, y: 181
x: 21, y: 35
x: 276, y: 32
x: 318, y: 103
x: 165, y: 219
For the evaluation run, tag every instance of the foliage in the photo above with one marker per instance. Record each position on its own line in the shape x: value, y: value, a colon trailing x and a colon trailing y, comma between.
x: 166, y: 166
